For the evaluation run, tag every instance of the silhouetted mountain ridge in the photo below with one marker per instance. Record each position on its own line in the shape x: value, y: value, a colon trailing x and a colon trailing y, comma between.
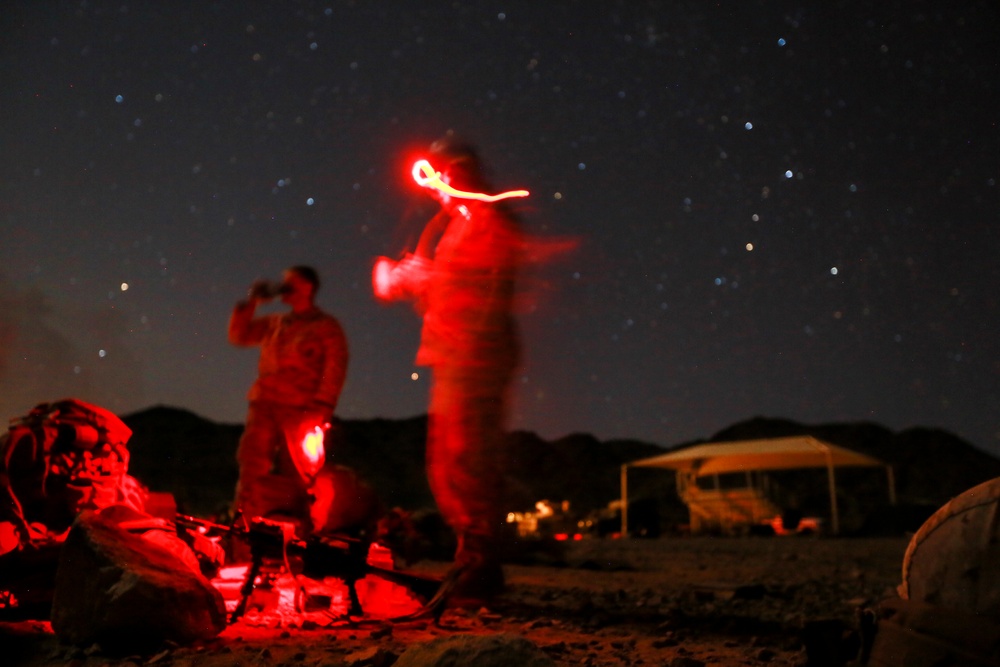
x: 194, y: 458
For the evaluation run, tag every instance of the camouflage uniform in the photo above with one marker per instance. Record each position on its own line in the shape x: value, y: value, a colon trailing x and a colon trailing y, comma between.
x: 303, y: 363
x: 469, y: 339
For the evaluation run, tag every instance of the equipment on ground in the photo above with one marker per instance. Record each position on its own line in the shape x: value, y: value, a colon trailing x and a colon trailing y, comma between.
x: 274, y: 544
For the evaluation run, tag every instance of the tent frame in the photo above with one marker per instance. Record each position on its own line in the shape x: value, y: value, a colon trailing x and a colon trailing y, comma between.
x: 694, y: 463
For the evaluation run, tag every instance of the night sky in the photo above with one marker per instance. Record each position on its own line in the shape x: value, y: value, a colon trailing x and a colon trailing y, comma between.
x: 782, y: 209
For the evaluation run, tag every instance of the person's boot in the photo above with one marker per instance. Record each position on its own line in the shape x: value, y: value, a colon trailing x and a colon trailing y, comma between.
x: 477, y: 585
x: 474, y: 579
x: 478, y: 577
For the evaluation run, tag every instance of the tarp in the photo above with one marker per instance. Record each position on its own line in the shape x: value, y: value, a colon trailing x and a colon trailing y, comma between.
x: 716, y: 458
x: 793, y: 452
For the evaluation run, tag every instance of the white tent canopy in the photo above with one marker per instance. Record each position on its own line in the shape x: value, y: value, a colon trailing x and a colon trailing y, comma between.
x: 787, y: 453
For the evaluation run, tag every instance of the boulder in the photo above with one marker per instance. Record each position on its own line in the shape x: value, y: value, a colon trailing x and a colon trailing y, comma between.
x: 129, y: 594
x: 501, y: 650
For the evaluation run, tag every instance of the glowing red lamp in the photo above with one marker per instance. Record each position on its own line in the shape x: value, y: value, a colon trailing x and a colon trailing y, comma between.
x: 312, y: 445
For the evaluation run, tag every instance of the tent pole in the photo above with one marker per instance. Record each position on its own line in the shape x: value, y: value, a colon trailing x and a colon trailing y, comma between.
x: 834, y: 514
x: 892, y: 485
x: 624, y: 501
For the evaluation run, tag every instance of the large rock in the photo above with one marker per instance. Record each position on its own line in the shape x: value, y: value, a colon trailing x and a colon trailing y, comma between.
x: 501, y: 650
x: 127, y: 593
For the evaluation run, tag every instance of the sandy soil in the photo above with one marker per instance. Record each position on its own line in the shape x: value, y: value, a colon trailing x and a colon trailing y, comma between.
x: 678, y: 602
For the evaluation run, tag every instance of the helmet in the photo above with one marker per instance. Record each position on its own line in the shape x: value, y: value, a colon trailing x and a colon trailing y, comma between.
x: 458, y: 163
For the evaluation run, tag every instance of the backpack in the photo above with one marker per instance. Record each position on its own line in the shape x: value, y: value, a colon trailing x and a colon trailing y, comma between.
x: 60, y: 459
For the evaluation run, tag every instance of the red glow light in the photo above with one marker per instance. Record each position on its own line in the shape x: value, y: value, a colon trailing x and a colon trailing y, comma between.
x: 425, y: 176
x: 312, y: 445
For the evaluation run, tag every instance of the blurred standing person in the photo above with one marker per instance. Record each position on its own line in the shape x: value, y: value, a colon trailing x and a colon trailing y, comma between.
x: 301, y: 371
x: 462, y: 278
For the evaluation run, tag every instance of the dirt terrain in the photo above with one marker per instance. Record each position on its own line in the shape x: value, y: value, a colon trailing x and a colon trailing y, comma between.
x: 678, y: 602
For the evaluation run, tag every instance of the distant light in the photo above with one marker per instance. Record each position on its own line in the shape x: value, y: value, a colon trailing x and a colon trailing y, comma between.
x: 557, y: 195
x: 755, y: 217
x: 102, y: 353
x: 781, y: 41
x: 310, y: 201
x: 124, y: 287
x: 414, y: 376
x: 748, y: 125
x: 119, y: 99
x: 749, y: 247
x: 313, y: 46
x: 789, y: 174
x: 501, y: 16
x: 581, y: 166
x: 834, y: 271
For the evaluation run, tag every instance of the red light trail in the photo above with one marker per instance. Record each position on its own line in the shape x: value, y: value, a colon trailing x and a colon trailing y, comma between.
x: 425, y: 176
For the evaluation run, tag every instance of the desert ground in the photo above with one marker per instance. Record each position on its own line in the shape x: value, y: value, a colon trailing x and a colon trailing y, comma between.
x: 678, y: 602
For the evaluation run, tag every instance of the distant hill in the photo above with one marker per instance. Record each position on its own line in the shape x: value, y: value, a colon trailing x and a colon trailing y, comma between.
x: 195, y: 459
x: 178, y: 451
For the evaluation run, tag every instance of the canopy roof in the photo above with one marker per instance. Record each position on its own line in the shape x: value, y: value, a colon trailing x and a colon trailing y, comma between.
x: 766, y: 454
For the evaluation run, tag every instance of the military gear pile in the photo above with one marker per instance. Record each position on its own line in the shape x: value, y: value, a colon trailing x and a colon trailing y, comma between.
x: 58, y: 460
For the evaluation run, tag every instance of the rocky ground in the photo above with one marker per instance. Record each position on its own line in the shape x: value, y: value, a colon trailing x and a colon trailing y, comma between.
x: 676, y: 602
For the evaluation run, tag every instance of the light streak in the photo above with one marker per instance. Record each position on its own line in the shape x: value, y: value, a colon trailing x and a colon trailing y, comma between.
x: 425, y: 176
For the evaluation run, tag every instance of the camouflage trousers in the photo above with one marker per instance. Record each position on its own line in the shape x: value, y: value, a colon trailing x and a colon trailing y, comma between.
x: 269, y: 484
x: 465, y: 451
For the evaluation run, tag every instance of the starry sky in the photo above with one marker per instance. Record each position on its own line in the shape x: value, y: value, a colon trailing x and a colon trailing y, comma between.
x: 780, y: 209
